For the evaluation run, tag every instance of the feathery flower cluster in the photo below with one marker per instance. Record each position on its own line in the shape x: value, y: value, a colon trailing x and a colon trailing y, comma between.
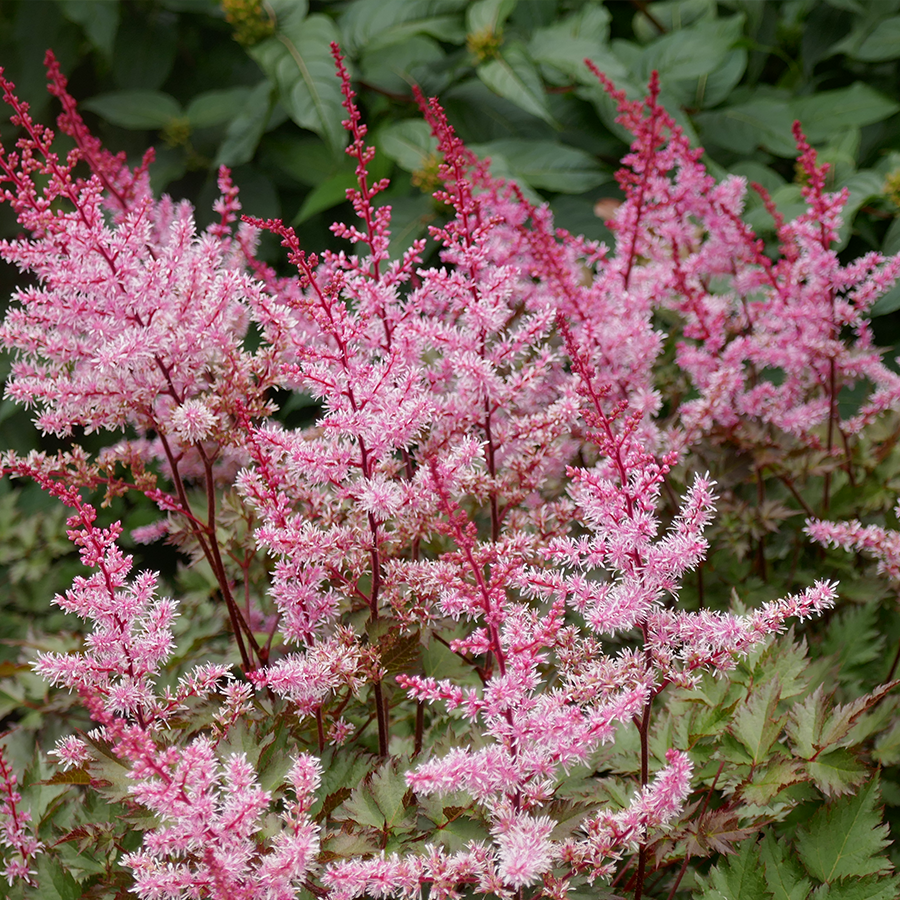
x: 881, y: 543
x: 487, y: 472
x: 763, y: 340
x: 15, y: 832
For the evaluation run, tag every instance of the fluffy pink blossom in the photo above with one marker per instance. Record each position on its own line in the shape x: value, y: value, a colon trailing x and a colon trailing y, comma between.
x: 486, y: 468
x: 16, y: 832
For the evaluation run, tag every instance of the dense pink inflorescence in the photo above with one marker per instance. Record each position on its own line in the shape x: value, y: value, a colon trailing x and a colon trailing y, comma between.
x: 487, y: 464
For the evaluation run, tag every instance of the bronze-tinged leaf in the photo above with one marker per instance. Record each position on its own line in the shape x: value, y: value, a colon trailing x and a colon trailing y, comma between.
x: 399, y: 652
x: 75, y: 776
x: 768, y: 781
x: 716, y: 832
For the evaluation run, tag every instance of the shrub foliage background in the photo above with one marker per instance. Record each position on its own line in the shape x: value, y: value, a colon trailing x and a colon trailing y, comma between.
x: 795, y: 751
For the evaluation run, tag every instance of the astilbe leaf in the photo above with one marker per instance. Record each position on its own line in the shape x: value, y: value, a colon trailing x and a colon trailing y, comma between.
x: 845, y: 838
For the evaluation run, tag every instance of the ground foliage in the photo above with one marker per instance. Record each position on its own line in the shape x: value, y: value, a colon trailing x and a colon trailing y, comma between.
x: 795, y: 752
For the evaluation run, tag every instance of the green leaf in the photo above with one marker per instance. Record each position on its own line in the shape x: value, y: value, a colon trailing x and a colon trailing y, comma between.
x: 135, y: 109
x: 888, y: 303
x: 327, y: 195
x: 691, y: 52
x: 246, y: 129
x: 298, y: 60
x: 458, y: 834
x: 566, y: 44
x: 361, y: 808
x: 882, y: 44
x: 547, y: 165
x: 514, y: 77
x: 54, y: 882
x: 826, y: 112
x: 408, y: 142
x: 804, y: 726
x: 740, y: 877
x: 769, y: 781
x: 845, y: 838
x: 342, y: 771
x: 100, y: 22
x: 379, y: 801
x: 872, y: 887
x: 887, y: 746
x: 144, y: 53
x: 368, y: 25
x: 756, y: 724
x: 333, y: 191
x: 488, y: 15
x: 785, y: 877
x: 863, y: 186
x: 673, y: 15
x: 389, y: 788
x: 836, y: 772
x: 215, y: 107
x: 305, y: 159
x: 711, y: 88
x: 390, y: 67
x: 758, y: 123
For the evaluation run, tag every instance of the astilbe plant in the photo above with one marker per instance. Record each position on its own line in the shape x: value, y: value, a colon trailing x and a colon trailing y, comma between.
x: 485, y: 476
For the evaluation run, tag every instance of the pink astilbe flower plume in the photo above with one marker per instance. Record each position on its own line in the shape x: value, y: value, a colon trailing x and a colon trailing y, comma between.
x: 767, y: 343
x: 16, y: 832
x: 486, y: 471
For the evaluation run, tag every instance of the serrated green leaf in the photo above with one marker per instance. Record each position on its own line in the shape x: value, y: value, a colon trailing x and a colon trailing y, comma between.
x: 389, y: 787
x: 54, y: 883
x: 298, y: 60
x: 844, y: 718
x: 784, y: 874
x: 853, y: 637
x: 716, y: 832
x: 341, y: 770
x: 772, y: 779
x: 135, y: 109
x: 836, y: 772
x: 377, y: 802
x: 740, y: 877
x: 872, y: 887
x: 804, y: 726
x: 361, y: 809
x: 845, y: 838
x: 887, y: 746
x: 756, y: 724
x: 514, y: 77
